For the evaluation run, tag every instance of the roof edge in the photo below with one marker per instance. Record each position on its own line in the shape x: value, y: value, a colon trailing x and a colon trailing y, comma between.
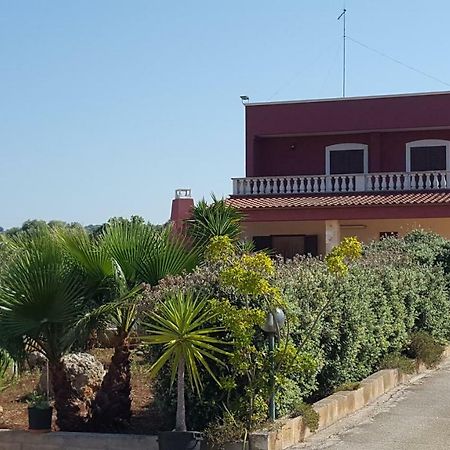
x: 346, y: 99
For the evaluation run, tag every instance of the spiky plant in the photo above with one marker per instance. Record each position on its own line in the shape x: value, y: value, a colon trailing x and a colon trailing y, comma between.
x: 182, y: 327
x: 214, y: 219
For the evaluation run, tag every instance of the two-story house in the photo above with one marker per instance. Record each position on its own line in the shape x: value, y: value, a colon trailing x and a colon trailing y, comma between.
x: 320, y: 170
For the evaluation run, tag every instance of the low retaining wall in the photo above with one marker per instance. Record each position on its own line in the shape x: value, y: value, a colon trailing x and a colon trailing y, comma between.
x: 286, y: 433
x: 24, y: 440
x: 289, y: 432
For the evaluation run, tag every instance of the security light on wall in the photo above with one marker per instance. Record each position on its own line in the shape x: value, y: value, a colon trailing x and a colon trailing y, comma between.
x: 245, y: 99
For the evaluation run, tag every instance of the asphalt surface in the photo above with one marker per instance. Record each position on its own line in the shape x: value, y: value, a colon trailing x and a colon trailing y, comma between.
x: 412, y: 417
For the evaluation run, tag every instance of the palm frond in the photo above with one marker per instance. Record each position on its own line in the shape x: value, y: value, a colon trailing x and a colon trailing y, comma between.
x: 215, y: 219
x: 41, y: 292
x: 183, y: 327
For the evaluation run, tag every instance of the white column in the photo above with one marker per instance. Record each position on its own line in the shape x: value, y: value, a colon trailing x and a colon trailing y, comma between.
x: 332, y: 234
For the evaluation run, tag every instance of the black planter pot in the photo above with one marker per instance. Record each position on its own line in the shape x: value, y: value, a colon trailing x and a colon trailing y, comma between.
x: 40, y: 419
x: 179, y: 440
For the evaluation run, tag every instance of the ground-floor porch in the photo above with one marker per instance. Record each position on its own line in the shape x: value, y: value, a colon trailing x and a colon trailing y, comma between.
x: 319, y: 237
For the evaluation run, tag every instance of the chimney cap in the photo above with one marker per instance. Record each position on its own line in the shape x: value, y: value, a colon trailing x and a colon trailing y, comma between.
x: 183, y: 193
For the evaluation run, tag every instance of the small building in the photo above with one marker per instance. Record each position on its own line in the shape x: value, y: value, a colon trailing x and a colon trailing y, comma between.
x: 320, y: 170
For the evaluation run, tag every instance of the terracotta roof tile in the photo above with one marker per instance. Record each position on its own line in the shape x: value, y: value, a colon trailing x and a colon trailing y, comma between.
x: 336, y: 200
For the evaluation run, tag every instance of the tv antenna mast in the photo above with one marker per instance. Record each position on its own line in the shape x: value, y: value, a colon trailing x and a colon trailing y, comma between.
x: 344, y: 41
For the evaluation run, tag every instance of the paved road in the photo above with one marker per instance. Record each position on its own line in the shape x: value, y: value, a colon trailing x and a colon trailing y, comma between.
x: 415, y: 417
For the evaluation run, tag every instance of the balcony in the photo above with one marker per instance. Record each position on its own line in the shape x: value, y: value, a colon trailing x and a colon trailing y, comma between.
x: 323, y: 184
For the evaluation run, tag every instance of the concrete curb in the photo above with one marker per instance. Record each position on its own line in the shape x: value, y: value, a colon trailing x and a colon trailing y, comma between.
x: 289, y: 432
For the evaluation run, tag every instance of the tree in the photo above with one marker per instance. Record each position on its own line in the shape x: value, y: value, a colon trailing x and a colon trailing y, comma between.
x: 182, y: 327
x: 215, y: 219
x: 42, y: 296
x: 117, y: 262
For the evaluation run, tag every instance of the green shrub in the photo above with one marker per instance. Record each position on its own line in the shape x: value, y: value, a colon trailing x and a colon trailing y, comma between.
x: 397, y: 361
x: 425, y: 349
x: 309, y: 414
x: 351, y: 386
x: 342, y: 328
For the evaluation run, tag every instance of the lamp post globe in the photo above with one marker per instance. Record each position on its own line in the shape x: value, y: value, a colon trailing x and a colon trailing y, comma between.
x: 275, y: 321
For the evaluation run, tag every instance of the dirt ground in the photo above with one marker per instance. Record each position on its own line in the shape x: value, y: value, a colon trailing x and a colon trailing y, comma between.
x: 144, y: 421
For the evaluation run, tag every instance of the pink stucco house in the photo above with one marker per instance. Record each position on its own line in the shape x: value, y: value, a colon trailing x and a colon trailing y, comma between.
x: 320, y: 170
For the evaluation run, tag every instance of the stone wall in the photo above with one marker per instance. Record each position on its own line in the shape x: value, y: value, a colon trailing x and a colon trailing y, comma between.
x: 25, y: 440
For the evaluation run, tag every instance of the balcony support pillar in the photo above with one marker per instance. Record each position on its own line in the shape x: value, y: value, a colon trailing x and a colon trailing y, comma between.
x: 332, y: 234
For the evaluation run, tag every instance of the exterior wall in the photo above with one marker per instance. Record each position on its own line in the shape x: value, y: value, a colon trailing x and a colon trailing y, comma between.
x: 384, y: 123
x: 402, y: 226
x: 364, y: 230
x: 305, y: 155
x: 436, y: 211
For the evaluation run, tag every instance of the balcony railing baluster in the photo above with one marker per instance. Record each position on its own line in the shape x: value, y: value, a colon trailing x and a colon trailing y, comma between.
x: 370, y: 182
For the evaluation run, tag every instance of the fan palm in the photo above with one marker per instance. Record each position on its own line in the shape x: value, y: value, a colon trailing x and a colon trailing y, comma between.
x: 123, y: 256
x: 41, y: 296
x: 215, y: 219
x: 182, y: 327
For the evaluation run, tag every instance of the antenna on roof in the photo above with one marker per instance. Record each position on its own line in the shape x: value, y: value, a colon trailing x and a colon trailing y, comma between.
x: 344, y: 39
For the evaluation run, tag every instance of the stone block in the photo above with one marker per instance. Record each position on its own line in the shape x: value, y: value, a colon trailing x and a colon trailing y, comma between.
x: 287, y: 434
x: 261, y: 441
x: 390, y: 378
x: 297, y: 426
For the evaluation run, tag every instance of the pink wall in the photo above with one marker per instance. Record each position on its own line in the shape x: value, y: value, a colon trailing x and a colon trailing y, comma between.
x: 386, y: 124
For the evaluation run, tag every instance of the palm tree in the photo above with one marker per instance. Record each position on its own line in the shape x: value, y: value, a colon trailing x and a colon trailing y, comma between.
x: 215, y: 219
x: 125, y: 255
x: 182, y: 327
x: 42, y: 295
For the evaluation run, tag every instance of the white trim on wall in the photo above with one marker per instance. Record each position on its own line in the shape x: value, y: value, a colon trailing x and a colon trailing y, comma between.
x: 346, y: 146
x: 428, y: 143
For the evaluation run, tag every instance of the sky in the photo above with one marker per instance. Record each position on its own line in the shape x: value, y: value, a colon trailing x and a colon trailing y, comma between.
x: 108, y: 106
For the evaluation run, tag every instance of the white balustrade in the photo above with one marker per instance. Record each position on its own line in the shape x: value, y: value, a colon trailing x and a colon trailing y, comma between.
x: 316, y: 184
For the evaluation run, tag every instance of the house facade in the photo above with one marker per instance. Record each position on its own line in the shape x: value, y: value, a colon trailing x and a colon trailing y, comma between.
x: 320, y: 170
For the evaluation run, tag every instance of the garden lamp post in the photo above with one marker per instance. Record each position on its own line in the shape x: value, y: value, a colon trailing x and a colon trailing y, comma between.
x: 274, y: 322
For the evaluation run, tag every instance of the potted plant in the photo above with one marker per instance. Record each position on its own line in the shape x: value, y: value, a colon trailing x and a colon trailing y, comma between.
x: 39, y: 413
x: 182, y: 326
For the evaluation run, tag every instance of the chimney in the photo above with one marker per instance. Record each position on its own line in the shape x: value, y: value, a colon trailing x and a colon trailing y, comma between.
x: 182, y: 206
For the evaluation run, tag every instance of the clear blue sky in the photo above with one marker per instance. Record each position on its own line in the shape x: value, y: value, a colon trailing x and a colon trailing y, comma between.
x: 107, y: 106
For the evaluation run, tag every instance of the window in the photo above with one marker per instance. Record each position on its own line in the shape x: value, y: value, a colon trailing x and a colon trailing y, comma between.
x: 288, y: 245
x: 346, y: 159
x: 427, y: 155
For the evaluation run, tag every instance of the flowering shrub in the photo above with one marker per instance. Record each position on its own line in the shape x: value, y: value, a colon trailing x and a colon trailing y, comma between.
x: 348, y: 250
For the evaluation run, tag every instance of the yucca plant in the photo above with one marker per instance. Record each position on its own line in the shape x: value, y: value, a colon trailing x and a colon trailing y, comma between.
x: 42, y: 295
x: 182, y: 326
x: 214, y: 219
x: 117, y: 262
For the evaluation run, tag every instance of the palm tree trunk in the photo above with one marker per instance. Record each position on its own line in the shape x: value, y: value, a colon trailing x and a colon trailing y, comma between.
x: 111, y: 408
x: 181, y: 402
x: 67, y: 405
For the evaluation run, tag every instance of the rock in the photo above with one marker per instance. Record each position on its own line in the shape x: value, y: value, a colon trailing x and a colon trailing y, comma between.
x: 36, y: 360
x: 85, y: 373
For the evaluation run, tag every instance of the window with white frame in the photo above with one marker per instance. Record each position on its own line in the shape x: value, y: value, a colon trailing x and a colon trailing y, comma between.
x: 427, y: 155
x: 346, y: 158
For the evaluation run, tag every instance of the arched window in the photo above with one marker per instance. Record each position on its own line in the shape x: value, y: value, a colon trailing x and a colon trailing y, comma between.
x: 346, y: 158
x: 427, y: 155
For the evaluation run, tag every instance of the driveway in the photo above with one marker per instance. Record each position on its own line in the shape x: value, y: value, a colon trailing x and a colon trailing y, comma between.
x: 415, y: 416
